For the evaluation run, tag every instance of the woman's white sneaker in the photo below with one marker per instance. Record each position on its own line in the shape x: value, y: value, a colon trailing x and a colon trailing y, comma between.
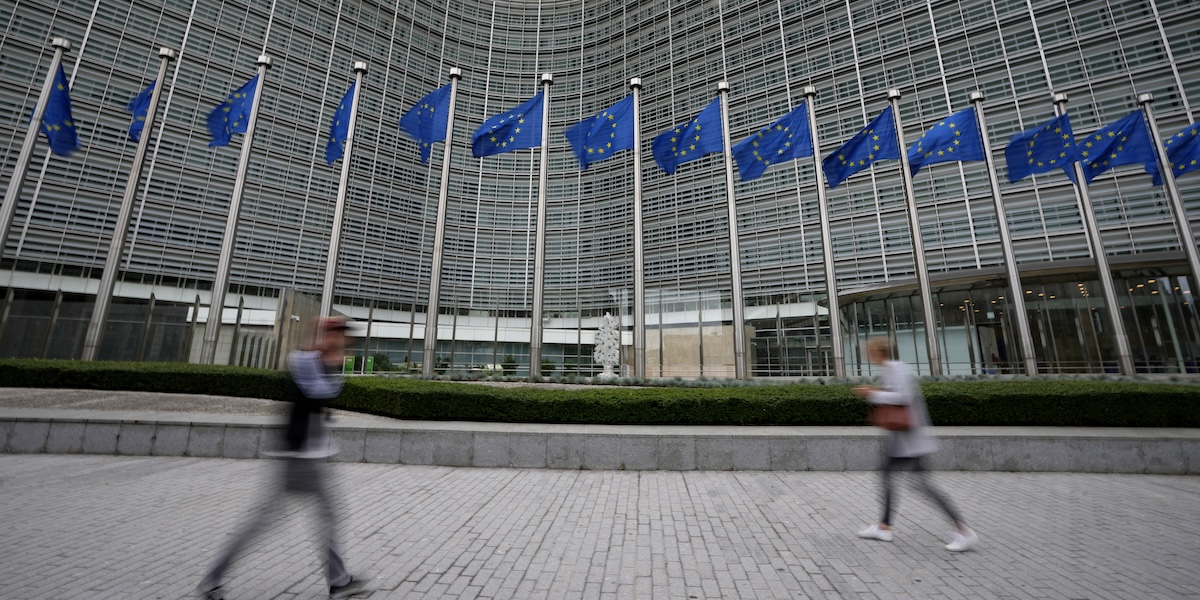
x: 875, y: 532
x: 962, y: 542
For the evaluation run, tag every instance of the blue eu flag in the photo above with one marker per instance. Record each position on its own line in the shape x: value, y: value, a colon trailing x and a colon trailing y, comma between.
x: 516, y: 129
x: 600, y: 135
x: 786, y: 139
x: 57, y: 123
x: 689, y: 141
x: 339, y: 130
x: 1124, y: 142
x: 232, y: 115
x: 426, y: 120
x: 1045, y: 148
x: 139, y: 106
x: 954, y: 138
x: 875, y: 142
x: 1183, y: 152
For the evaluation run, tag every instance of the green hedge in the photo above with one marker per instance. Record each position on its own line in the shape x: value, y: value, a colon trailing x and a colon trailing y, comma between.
x: 999, y: 402
x: 760, y: 405
x: 145, y: 377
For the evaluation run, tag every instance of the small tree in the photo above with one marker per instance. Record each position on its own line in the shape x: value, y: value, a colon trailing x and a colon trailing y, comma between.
x: 608, y: 346
x: 382, y: 362
x: 509, y: 362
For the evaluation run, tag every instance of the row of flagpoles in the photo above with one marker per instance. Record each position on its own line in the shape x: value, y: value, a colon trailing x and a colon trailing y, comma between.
x: 960, y: 137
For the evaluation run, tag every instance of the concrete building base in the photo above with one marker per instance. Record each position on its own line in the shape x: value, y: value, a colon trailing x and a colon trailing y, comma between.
x: 462, y: 444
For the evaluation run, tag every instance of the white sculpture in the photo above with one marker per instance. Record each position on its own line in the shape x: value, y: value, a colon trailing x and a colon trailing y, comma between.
x: 608, y: 346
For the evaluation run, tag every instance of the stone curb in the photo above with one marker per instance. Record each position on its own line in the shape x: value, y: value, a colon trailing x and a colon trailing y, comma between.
x: 460, y: 444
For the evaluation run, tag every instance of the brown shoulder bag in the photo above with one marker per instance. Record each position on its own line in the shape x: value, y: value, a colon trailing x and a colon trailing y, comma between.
x: 892, y: 417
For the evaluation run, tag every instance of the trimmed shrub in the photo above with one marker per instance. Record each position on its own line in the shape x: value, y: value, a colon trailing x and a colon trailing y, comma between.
x: 1026, y: 402
x: 181, y: 378
x: 383, y: 362
x: 430, y: 400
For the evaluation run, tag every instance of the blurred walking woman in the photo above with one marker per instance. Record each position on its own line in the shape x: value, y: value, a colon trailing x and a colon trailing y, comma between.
x: 906, y: 448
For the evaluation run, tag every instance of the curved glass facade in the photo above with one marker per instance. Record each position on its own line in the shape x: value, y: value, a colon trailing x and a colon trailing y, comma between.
x: 1100, y: 52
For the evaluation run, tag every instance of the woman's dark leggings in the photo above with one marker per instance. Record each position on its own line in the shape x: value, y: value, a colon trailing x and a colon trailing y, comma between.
x: 890, y: 464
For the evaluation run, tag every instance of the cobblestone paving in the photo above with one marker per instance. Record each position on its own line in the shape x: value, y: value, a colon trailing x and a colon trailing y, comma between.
x: 100, y: 527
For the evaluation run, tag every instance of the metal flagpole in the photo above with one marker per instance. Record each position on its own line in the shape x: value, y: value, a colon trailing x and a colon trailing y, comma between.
x: 539, y: 252
x: 1016, y: 292
x: 1186, y: 239
x: 439, y: 239
x: 339, y: 209
x: 13, y: 194
x: 914, y: 223
x: 216, y: 305
x: 1092, y: 230
x: 116, y: 246
x: 735, y: 258
x: 639, y: 251
x: 835, y: 311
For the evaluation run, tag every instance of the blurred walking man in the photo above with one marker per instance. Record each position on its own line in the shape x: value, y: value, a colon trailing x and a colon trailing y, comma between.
x: 316, y: 375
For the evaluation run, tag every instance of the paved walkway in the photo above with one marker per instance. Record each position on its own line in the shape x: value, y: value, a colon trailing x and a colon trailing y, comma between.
x: 108, y: 527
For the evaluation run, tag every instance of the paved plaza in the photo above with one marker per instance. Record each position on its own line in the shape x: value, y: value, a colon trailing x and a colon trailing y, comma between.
x: 105, y: 527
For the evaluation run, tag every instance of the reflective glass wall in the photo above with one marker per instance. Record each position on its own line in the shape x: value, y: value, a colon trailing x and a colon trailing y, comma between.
x: 1069, y: 325
x: 1101, y: 52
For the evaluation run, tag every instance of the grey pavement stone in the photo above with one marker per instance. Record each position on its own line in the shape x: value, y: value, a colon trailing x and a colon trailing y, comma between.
x: 564, y: 452
x: 510, y: 533
x: 715, y: 454
x: 1051, y: 455
x: 28, y: 436
x: 351, y: 444
x: 135, y: 439
x: 731, y: 453
x: 454, y: 448
x: 493, y: 450
x: 1086, y: 455
x: 639, y: 453
x: 826, y: 454
x: 271, y: 440
x: 677, y: 453
x: 1190, y: 449
x: 1009, y: 454
x: 205, y: 440
x: 522, y: 450
x: 1159, y: 451
x: 65, y: 437
x: 382, y: 447
x: 241, y: 442
x: 1163, y: 456
x: 451, y: 448
x: 601, y: 452
x: 789, y: 454
x: 101, y: 438
x: 528, y: 450
x: 865, y: 454
x: 170, y: 440
x: 941, y: 460
x: 1125, y: 456
x: 751, y: 453
x: 417, y: 447
x: 972, y: 454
